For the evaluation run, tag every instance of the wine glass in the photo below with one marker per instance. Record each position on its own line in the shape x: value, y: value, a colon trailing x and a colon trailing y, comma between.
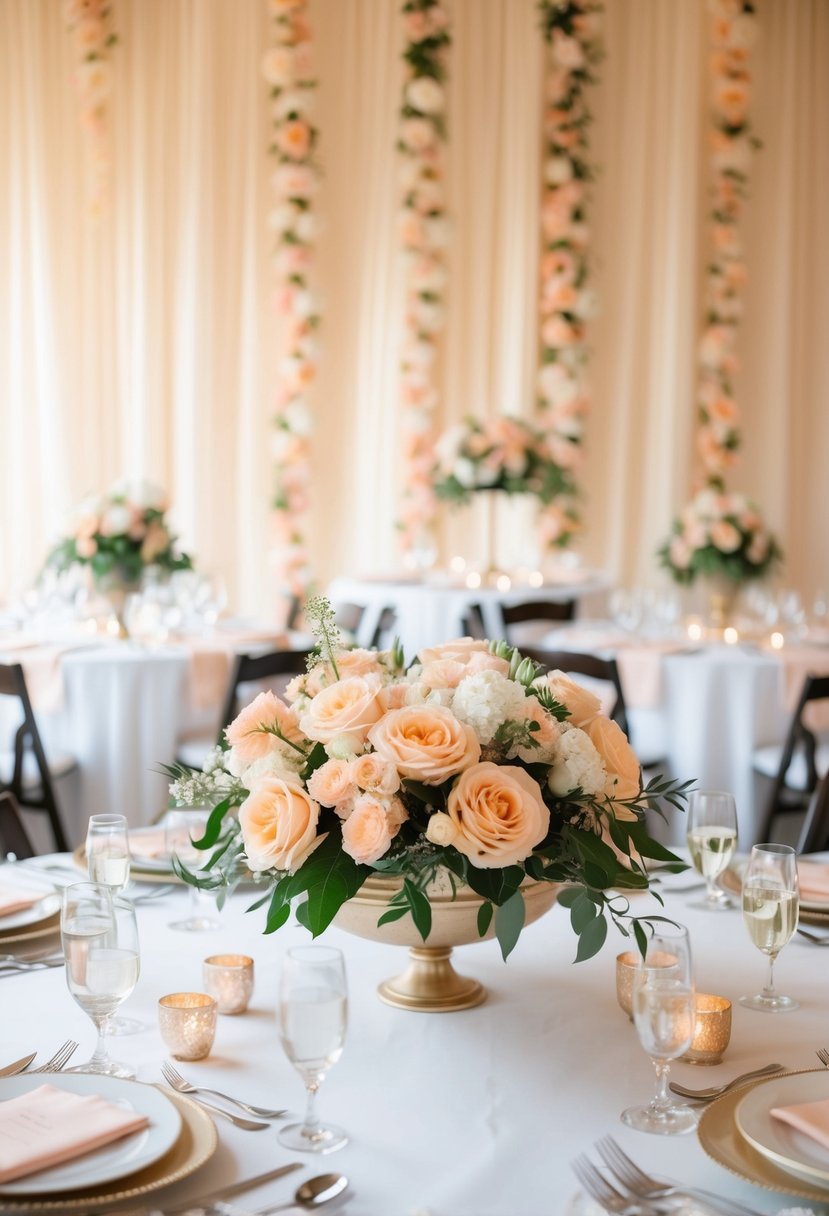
x: 312, y: 1021
x: 771, y: 901
x: 712, y: 838
x: 108, y: 863
x: 100, y: 945
x: 180, y: 827
x: 663, y: 1013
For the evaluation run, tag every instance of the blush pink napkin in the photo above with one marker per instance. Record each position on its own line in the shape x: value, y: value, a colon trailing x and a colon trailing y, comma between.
x: 49, y: 1125
x: 811, y: 1118
x: 16, y: 899
x: 150, y: 844
x: 813, y: 880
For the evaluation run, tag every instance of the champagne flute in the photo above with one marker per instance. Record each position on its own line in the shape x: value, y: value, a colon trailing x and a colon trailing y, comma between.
x: 108, y: 851
x: 771, y: 901
x: 180, y: 827
x: 663, y: 1013
x: 312, y: 1021
x: 712, y: 838
x: 100, y: 945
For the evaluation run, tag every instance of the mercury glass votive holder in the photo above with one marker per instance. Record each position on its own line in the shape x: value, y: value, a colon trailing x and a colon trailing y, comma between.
x: 627, y: 964
x: 187, y: 1021
x: 712, y: 1029
x: 229, y: 978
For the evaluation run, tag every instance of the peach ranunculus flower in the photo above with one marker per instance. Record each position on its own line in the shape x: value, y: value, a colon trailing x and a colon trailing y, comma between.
x: 461, y: 649
x: 582, y: 704
x: 332, y: 782
x: 374, y: 774
x: 370, y: 828
x: 425, y: 743
x: 279, y: 825
x: 252, y: 734
x: 499, y: 814
x: 624, y: 775
x: 348, y: 708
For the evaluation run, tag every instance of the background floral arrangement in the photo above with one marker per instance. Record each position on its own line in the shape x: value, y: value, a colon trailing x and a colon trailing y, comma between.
x: 720, y: 534
x: 90, y: 24
x: 500, y: 454
x: 119, y: 533
x: 287, y: 67
x: 571, y: 29
x: 424, y: 235
x: 469, y: 762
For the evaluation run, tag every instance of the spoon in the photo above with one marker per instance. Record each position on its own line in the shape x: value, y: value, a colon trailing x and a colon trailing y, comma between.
x: 705, y: 1095
x: 311, y: 1194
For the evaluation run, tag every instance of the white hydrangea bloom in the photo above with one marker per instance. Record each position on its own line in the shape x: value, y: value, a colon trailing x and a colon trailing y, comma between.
x: 279, y: 762
x: 577, y: 764
x: 485, y: 700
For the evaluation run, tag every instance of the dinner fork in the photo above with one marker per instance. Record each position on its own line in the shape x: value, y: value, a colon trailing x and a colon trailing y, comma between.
x: 641, y: 1186
x: 605, y: 1194
x: 60, y: 1059
x: 174, y: 1078
x: 823, y: 1056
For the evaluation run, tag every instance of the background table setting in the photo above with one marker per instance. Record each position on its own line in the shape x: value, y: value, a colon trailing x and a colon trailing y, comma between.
x: 479, y: 1113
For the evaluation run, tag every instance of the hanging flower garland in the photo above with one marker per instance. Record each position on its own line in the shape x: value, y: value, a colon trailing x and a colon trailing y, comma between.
x: 720, y: 532
x: 90, y: 24
x: 288, y: 70
x: 424, y: 236
x: 571, y: 29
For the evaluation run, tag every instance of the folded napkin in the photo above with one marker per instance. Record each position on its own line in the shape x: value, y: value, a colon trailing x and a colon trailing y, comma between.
x: 811, y: 1118
x: 48, y: 1125
x: 17, y: 899
x: 150, y: 844
x: 813, y: 880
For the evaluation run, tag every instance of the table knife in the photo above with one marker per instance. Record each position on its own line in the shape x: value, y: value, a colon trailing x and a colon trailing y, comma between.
x: 236, y: 1188
x: 11, y: 1070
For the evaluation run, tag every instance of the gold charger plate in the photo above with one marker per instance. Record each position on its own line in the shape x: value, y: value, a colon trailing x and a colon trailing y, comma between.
x: 196, y: 1145
x: 721, y: 1140
x: 24, y: 942
x: 49, y: 924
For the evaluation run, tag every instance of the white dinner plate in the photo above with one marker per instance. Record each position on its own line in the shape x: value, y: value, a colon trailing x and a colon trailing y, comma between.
x: 45, y: 907
x: 113, y: 1161
x: 779, y: 1142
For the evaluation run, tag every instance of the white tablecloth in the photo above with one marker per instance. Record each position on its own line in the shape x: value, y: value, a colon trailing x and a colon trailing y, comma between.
x: 464, y: 1114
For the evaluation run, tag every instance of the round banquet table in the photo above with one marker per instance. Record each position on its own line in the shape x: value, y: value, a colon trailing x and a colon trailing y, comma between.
x: 466, y: 1114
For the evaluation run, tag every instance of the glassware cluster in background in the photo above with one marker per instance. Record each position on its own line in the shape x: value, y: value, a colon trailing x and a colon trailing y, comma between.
x: 650, y: 613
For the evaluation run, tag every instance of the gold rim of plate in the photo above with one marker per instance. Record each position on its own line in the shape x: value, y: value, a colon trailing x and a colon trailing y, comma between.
x: 196, y: 1145
x: 25, y: 937
x: 721, y: 1139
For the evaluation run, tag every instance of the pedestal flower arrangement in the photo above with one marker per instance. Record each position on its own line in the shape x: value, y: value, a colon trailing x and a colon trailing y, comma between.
x: 469, y: 764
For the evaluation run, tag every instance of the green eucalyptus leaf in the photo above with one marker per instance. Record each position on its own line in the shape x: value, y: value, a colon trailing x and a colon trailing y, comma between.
x: 591, y: 939
x: 509, y: 921
x: 484, y: 918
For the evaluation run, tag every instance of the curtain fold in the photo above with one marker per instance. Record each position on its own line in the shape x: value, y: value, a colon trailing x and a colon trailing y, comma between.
x: 143, y: 342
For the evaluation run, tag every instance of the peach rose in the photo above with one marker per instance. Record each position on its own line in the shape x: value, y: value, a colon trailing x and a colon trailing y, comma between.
x: 332, y: 782
x: 279, y: 825
x: 252, y: 733
x: 374, y: 774
x: 624, y: 777
x: 582, y: 704
x: 369, y: 830
x: 461, y: 649
x: 499, y: 814
x: 425, y: 742
x: 349, y: 707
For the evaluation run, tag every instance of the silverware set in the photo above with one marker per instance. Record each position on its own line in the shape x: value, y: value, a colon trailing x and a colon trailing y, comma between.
x: 177, y: 1082
x: 12, y: 964
x: 54, y: 1064
x: 631, y: 1192
x: 174, y: 1079
x: 716, y: 1091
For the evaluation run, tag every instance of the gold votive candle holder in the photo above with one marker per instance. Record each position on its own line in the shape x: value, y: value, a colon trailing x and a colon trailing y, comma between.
x: 187, y: 1021
x: 627, y: 964
x: 229, y: 978
x: 712, y: 1029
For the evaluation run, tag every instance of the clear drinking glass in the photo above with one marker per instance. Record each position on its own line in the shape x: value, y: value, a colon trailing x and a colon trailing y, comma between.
x: 712, y: 839
x: 180, y: 828
x: 313, y: 1004
x: 771, y: 901
x: 100, y: 946
x: 663, y: 1013
x: 108, y: 851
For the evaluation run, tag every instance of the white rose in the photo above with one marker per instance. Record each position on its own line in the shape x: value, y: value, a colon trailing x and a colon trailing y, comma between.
x: 441, y: 829
x: 558, y: 170
x: 425, y: 94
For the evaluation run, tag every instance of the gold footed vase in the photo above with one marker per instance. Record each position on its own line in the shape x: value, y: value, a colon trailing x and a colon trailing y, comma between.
x: 430, y: 984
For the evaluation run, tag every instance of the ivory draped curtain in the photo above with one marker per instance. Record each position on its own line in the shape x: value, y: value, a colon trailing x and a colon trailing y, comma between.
x: 143, y: 343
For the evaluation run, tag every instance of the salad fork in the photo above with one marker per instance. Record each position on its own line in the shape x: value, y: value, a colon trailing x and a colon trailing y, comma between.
x: 640, y: 1186
x: 605, y: 1194
x: 177, y: 1081
x: 60, y: 1059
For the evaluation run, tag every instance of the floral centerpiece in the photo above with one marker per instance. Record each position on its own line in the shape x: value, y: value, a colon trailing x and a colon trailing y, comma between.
x: 118, y: 534
x: 500, y: 454
x: 719, y: 534
x: 469, y: 763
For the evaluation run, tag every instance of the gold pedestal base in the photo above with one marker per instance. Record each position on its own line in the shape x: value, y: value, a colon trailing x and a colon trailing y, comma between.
x: 431, y: 984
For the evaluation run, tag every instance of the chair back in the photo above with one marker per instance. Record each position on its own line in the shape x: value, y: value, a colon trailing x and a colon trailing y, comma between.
x: 275, y: 668
x: 531, y: 612
x: 782, y: 798
x: 13, y: 835
x: 27, y: 736
x: 814, y: 834
x: 571, y: 662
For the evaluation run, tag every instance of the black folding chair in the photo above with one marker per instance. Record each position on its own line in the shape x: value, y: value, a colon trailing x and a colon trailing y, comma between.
x: 573, y: 663
x: 13, y: 836
x: 26, y: 772
x: 541, y: 612
x: 814, y: 834
x: 796, y: 767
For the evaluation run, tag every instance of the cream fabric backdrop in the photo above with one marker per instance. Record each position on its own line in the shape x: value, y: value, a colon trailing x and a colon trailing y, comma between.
x: 144, y: 343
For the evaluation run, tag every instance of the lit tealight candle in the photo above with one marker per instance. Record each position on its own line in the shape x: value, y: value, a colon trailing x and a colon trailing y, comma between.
x: 503, y: 582
x: 627, y: 965
x: 694, y: 631
x: 229, y: 978
x: 457, y: 565
x: 777, y: 641
x: 730, y: 635
x: 536, y: 578
x: 187, y: 1021
x: 473, y: 580
x: 712, y: 1029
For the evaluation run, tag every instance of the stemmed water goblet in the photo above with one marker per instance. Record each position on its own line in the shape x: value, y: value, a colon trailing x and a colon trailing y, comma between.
x: 663, y: 1013
x: 108, y: 863
x: 712, y: 838
x: 771, y: 901
x: 181, y: 827
x: 312, y: 1021
x: 100, y: 946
